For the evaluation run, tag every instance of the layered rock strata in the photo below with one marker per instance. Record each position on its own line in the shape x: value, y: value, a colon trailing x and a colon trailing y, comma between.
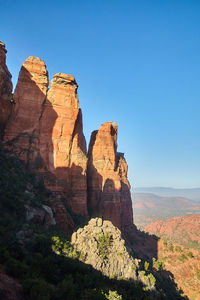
x: 108, y: 187
x: 5, y: 90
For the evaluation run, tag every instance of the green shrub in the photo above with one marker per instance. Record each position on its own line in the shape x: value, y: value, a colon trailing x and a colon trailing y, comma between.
x: 190, y: 254
x: 170, y: 247
x: 183, y: 257
x: 64, y: 248
x: 178, y: 249
x: 198, y: 275
x: 113, y: 295
x: 158, y: 265
x: 152, y: 280
x: 165, y: 243
x: 104, y: 242
x: 146, y: 266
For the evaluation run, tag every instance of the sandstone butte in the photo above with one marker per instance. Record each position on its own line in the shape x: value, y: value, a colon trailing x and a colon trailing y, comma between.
x: 45, y: 130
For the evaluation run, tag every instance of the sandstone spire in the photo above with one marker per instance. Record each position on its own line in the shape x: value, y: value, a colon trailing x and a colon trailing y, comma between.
x: 108, y: 187
x: 45, y: 131
x: 62, y: 143
x: 22, y: 130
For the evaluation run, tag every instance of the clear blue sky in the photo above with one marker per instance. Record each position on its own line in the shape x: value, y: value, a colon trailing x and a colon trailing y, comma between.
x: 136, y: 62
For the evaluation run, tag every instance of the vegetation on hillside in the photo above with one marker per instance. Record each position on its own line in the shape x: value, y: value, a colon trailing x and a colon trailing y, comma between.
x: 46, y: 265
x: 183, y: 263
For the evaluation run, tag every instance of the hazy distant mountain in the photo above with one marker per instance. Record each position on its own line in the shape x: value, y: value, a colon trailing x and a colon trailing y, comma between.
x: 193, y: 193
x: 148, y: 208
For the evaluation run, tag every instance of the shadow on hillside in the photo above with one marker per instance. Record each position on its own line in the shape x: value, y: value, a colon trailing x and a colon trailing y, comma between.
x: 34, y: 127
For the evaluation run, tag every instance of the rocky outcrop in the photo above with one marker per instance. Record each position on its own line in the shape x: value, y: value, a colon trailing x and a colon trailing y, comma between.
x: 40, y: 215
x: 5, y: 90
x: 102, y: 247
x: 108, y: 187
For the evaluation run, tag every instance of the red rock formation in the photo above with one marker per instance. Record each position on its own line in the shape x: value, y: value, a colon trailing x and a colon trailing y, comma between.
x: 5, y: 90
x: 108, y: 187
x: 45, y: 131
x: 22, y: 130
x: 62, y: 144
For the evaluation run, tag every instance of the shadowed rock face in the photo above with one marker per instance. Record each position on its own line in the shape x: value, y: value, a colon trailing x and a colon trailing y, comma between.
x: 5, y: 90
x: 108, y: 187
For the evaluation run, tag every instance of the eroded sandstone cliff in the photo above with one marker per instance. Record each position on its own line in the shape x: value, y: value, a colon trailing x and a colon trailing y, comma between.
x: 45, y: 130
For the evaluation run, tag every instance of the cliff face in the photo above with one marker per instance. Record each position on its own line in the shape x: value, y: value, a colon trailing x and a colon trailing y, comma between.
x: 45, y: 131
x: 5, y: 90
x: 108, y: 187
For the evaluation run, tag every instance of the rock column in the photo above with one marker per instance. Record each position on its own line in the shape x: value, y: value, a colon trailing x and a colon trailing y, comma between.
x: 108, y: 187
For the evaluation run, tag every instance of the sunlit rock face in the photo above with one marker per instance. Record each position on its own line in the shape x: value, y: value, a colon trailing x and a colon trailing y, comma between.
x: 5, y: 90
x: 45, y: 131
x: 23, y: 128
x: 67, y: 156
x: 114, y: 258
x: 108, y: 187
